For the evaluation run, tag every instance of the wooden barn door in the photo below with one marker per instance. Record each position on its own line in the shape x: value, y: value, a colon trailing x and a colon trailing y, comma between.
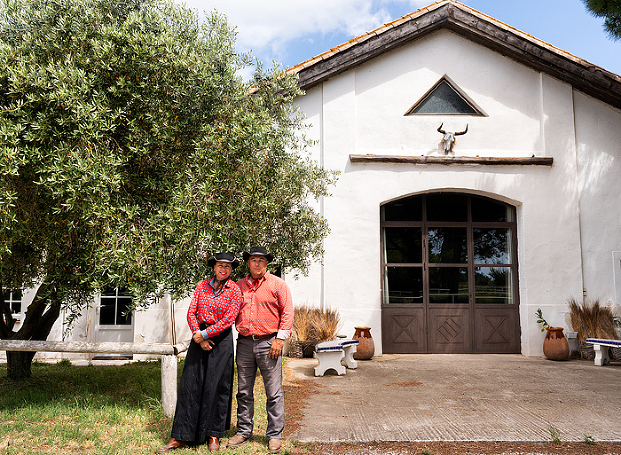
x: 449, y: 275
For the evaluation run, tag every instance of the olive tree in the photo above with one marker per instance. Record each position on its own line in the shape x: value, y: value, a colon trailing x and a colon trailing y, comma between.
x: 610, y: 10
x: 131, y: 149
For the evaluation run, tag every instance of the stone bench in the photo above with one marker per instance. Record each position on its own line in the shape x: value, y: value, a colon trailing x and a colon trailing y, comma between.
x: 331, y: 353
x: 601, y: 346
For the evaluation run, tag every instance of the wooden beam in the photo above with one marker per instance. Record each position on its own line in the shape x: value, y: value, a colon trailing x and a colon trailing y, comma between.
x: 79, y: 346
x: 461, y: 160
x: 167, y: 351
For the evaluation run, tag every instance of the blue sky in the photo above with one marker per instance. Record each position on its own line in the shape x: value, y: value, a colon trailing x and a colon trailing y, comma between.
x: 291, y: 31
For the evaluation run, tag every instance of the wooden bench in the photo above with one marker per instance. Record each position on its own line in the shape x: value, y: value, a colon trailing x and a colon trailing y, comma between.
x: 601, y: 346
x: 331, y: 353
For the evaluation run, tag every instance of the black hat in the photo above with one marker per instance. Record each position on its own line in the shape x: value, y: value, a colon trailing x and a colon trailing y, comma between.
x: 258, y: 251
x: 223, y: 257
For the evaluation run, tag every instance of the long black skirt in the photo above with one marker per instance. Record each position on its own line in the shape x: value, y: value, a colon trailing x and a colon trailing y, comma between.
x: 205, y: 392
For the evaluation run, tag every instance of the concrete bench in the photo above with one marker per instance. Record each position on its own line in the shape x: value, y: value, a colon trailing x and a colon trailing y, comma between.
x: 601, y: 346
x: 331, y: 353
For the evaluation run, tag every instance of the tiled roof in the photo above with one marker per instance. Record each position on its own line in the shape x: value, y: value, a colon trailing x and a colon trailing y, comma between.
x: 478, y: 27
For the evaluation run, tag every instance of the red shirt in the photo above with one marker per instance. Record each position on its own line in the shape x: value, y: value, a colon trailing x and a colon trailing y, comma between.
x: 219, y: 312
x: 267, y: 307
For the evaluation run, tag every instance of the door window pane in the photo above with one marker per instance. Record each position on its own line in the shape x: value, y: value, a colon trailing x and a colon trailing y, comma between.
x: 486, y: 210
x: 447, y: 207
x: 448, y: 245
x: 492, y: 246
x: 448, y: 285
x: 493, y: 285
x: 403, y: 244
x: 403, y: 285
x: 408, y: 209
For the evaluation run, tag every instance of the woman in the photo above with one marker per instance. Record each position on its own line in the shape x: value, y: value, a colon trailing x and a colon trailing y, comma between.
x: 203, y: 404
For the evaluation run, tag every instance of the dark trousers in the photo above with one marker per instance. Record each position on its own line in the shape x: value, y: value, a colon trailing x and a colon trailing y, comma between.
x: 205, y: 392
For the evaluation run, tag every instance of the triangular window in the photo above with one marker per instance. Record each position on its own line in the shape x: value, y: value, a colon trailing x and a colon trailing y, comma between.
x: 445, y: 98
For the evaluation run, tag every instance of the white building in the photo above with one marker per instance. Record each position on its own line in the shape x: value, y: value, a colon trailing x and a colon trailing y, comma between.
x: 448, y: 252
x: 454, y: 253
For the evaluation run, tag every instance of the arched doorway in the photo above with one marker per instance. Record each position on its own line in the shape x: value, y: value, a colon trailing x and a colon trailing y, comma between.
x: 449, y: 274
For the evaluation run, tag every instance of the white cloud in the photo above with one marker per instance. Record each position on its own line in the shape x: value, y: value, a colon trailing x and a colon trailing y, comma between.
x: 271, y: 28
x: 270, y: 25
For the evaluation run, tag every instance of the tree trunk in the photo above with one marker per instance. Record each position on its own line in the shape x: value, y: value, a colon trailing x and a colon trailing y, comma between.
x: 40, y: 317
x: 18, y: 364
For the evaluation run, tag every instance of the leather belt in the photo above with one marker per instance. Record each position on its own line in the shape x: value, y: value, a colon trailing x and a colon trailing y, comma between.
x: 257, y: 337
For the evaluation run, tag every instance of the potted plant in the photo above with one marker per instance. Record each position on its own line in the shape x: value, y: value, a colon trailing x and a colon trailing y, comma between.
x: 555, y: 345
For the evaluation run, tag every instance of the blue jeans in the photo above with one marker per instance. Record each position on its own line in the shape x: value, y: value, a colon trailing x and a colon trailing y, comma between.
x: 250, y: 355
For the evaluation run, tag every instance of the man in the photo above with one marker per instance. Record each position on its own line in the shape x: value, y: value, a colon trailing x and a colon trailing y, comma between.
x: 265, y: 320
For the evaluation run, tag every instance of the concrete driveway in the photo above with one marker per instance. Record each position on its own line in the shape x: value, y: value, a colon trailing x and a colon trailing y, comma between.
x: 453, y: 397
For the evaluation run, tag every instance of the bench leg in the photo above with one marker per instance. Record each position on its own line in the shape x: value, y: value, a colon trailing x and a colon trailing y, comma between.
x: 329, y: 360
x: 601, y: 355
x: 349, y: 356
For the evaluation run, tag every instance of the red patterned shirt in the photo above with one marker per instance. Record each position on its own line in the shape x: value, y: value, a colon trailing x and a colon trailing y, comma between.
x: 267, y: 307
x: 219, y: 312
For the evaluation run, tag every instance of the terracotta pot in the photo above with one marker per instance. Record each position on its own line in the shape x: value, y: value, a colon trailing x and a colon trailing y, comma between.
x: 555, y: 345
x: 366, y: 346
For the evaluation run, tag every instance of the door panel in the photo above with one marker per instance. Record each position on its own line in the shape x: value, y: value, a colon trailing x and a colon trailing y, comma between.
x: 497, y: 330
x: 449, y: 330
x: 403, y: 329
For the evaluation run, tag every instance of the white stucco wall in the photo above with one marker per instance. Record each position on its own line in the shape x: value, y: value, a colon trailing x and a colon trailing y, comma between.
x: 528, y: 113
x: 598, y: 139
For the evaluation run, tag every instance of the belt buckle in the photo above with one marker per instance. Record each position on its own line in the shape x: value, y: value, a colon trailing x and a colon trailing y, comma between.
x: 255, y: 337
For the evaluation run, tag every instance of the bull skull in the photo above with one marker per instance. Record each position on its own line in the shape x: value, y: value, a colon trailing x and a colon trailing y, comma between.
x: 448, y: 140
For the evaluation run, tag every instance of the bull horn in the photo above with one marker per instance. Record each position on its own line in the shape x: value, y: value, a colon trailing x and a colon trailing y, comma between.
x: 463, y: 132
x: 440, y: 130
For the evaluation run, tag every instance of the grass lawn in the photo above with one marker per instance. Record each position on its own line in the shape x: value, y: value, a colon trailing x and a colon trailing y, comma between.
x: 66, y: 409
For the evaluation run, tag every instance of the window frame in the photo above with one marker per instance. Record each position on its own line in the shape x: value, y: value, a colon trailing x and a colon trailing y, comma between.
x: 424, y: 225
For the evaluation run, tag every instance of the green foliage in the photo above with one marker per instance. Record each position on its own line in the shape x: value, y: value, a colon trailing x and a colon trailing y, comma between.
x: 589, y: 440
x: 555, y: 434
x: 540, y: 320
x: 611, y: 11
x: 131, y: 150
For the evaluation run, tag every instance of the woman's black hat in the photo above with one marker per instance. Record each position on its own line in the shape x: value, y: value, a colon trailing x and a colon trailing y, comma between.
x: 223, y: 257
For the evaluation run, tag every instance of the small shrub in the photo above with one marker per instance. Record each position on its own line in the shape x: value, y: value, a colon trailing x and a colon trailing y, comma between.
x: 555, y: 434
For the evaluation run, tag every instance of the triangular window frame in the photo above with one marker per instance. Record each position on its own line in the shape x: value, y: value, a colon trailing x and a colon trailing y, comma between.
x: 474, y: 109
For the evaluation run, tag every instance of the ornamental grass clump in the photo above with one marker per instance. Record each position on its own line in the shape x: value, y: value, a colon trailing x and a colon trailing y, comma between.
x: 312, y: 325
x: 591, y: 320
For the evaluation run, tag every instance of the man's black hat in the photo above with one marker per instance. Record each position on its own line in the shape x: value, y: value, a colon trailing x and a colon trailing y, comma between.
x: 258, y: 251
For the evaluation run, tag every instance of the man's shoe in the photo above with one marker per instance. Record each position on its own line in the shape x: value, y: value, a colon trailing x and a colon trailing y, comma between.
x: 275, y: 445
x: 213, y: 444
x: 173, y: 444
x: 237, y: 441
